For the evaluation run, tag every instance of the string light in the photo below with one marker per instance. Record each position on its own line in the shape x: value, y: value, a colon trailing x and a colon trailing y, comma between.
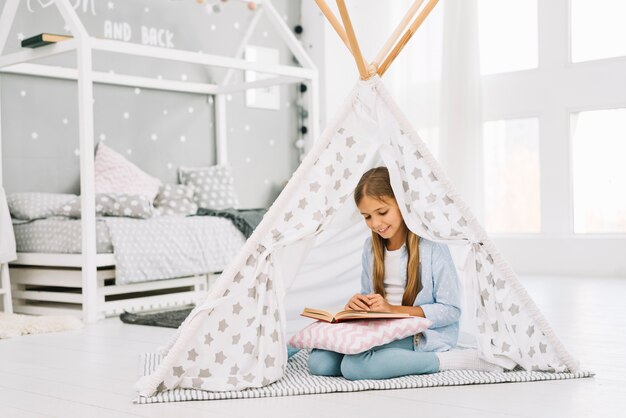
x: 303, y: 114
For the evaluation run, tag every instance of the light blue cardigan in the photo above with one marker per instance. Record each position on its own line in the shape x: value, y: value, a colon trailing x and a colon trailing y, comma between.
x: 439, y: 296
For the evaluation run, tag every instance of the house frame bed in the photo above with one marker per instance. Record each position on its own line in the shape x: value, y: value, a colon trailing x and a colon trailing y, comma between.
x: 84, y: 283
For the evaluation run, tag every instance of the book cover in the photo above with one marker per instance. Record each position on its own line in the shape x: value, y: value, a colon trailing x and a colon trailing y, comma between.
x: 349, y: 315
x: 43, y: 39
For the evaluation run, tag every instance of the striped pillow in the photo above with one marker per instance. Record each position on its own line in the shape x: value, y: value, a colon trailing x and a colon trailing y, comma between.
x: 355, y: 337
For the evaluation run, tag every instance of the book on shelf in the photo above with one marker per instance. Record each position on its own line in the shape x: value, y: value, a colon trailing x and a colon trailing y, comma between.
x: 43, y: 39
x: 349, y: 315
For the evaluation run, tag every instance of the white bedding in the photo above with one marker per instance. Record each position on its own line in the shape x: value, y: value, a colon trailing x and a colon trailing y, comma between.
x: 165, y: 247
x: 57, y: 235
x: 145, y: 249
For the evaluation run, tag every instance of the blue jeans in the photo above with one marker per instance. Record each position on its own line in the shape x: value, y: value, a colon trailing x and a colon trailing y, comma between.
x: 291, y: 351
x: 383, y: 362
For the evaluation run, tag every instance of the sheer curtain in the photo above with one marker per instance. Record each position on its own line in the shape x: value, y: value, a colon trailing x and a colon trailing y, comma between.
x: 436, y: 82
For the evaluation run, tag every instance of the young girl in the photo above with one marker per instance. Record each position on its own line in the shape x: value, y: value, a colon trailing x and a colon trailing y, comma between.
x: 402, y: 272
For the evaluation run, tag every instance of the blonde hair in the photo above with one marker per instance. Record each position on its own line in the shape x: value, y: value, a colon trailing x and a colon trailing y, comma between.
x: 376, y: 185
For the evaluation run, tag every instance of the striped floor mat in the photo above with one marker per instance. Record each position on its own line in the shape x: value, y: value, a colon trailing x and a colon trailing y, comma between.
x: 298, y: 381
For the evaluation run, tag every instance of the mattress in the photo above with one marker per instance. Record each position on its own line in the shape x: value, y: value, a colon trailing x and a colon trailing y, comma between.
x: 145, y: 249
x: 58, y: 235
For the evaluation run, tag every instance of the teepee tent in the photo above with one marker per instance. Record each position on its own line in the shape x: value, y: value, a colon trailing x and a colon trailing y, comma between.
x: 313, y: 235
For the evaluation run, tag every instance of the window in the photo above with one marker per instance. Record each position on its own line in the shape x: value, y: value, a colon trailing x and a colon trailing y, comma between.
x: 599, y: 172
x: 597, y: 29
x: 507, y: 31
x: 579, y: 203
x: 511, y: 176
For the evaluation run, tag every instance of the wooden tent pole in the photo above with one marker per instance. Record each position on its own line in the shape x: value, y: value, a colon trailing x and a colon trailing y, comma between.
x: 334, y: 22
x: 354, y: 44
x: 407, y: 35
x: 396, y: 33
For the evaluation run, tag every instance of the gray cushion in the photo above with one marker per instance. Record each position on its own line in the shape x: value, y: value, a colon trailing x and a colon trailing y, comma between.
x: 34, y: 205
x: 112, y: 204
x: 176, y: 200
x: 214, y: 186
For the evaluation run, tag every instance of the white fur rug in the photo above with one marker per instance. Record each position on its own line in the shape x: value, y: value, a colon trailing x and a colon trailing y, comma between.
x: 14, y: 325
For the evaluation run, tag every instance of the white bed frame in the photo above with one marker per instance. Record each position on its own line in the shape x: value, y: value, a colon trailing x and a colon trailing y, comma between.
x: 52, y: 284
x: 84, y: 283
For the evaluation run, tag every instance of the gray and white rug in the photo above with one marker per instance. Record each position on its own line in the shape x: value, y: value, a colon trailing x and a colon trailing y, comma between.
x: 298, y: 381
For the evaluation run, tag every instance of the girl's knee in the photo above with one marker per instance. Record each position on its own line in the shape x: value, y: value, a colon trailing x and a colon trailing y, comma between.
x: 354, y: 367
x: 324, y: 363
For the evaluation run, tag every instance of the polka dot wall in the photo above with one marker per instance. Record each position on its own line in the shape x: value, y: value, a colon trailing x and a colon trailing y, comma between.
x: 158, y: 131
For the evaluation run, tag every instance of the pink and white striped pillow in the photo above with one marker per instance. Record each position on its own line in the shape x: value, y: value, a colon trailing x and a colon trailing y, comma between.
x: 355, y: 337
x: 115, y: 174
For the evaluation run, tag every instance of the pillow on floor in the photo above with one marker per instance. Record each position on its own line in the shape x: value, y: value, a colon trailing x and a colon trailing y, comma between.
x: 355, y: 337
x: 115, y: 174
x: 176, y: 200
x: 111, y: 204
x: 33, y: 205
x: 214, y: 186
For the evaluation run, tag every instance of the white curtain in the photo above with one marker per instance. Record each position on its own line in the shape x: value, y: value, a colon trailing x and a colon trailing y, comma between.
x: 436, y: 82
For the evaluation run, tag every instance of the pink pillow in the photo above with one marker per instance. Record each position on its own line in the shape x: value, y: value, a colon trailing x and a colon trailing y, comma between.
x: 355, y: 337
x: 115, y: 174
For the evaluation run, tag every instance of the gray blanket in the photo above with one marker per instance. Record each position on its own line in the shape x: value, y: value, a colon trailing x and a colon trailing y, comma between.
x: 244, y: 220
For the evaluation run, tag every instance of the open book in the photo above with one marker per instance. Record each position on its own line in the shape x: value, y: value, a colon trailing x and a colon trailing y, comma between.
x: 349, y: 315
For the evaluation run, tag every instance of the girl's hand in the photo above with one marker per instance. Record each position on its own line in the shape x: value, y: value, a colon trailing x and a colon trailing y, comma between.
x: 358, y: 302
x: 378, y: 303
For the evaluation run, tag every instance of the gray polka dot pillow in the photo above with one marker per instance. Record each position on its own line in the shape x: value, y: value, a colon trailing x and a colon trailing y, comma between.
x: 34, y: 205
x: 176, y: 200
x: 112, y: 204
x: 214, y: 186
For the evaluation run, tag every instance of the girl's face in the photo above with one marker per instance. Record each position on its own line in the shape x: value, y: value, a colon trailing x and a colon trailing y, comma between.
x: 383, y: 217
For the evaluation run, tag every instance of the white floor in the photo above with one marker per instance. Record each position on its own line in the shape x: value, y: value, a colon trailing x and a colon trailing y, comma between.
x: 90, y: 373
